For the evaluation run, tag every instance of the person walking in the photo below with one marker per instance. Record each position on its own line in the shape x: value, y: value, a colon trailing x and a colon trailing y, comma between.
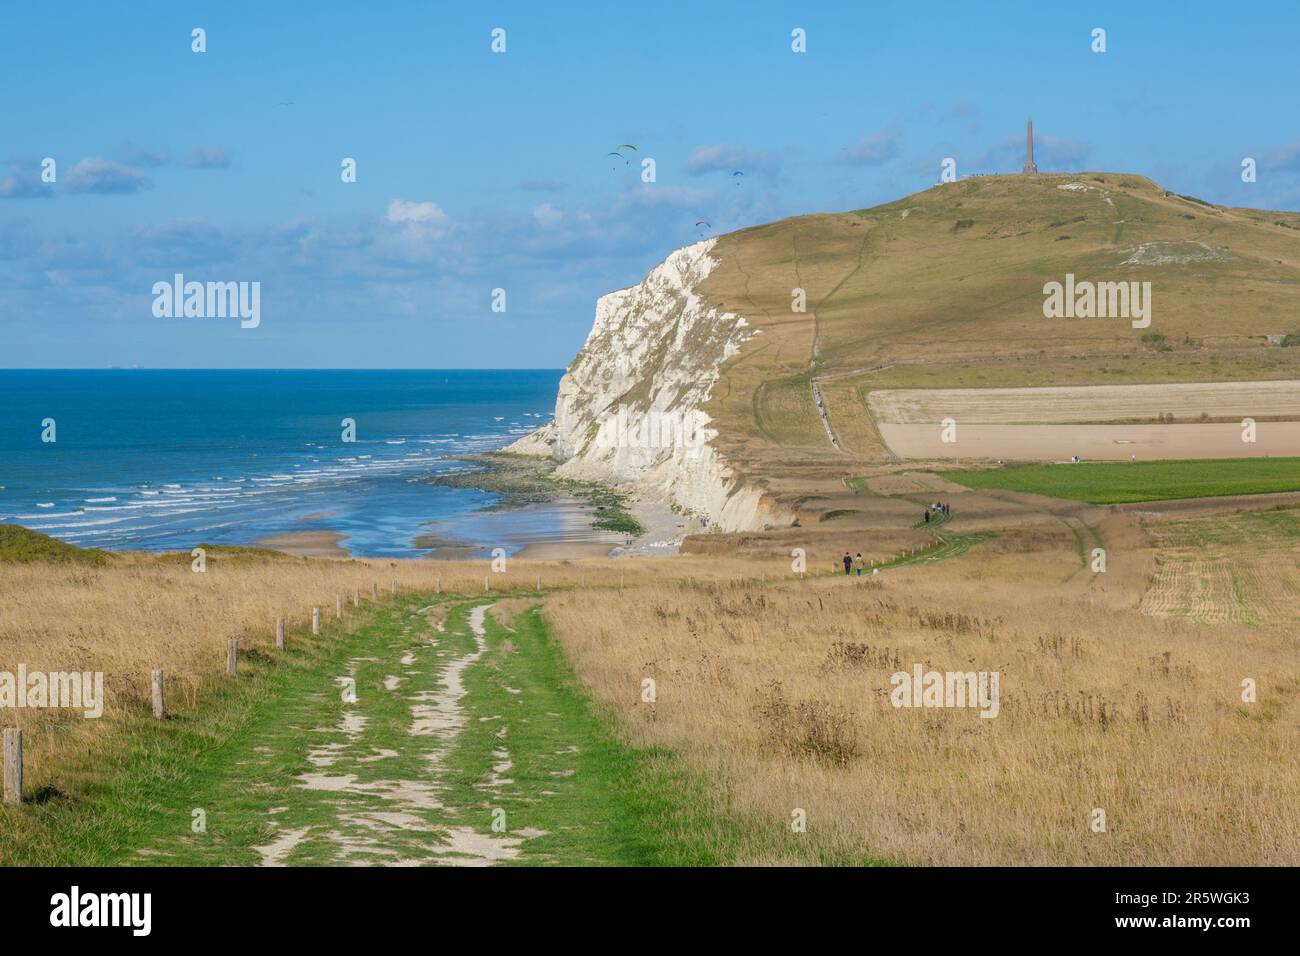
x: 927, y: 515
x: 848, y: 562
x: 857, y: 563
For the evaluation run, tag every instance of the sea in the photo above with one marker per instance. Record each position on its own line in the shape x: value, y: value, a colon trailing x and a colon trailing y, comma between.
x: 166, y: 459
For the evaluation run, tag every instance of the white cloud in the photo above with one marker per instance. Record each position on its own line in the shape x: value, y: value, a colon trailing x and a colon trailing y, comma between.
x: 94, y: 174
x: 547, y: 214
x: 402, y: 210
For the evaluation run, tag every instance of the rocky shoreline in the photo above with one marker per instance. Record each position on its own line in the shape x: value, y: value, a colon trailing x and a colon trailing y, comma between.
x: 523, y: 480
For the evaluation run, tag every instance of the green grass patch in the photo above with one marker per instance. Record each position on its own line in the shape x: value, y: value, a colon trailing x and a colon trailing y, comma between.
x: 21, y: 545
x: 598, y: 801
x: 1115, y: 482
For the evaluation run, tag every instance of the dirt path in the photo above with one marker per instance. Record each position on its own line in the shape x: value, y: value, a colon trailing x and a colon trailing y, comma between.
x: 430, y: 735
x: 821, y: 412
x: 389, y: 817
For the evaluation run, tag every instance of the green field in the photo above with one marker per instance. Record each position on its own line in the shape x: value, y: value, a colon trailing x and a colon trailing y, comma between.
x: 1112, y: 482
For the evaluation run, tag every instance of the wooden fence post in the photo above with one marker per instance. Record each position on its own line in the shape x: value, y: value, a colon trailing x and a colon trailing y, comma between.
x: 486, y: 578
x: 437, y: 585
x: 374, y: 591
x: 539, y: 582
x: 315, y: 620
x: 394, y: 587
x: 232, y: 657
x: 13, y: 760
x: 279, y: 633
x: 159, y: 710
x: 338, y: 605
x: 356, y: 599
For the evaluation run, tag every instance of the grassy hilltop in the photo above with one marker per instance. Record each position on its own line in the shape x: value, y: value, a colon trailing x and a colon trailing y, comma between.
x: 943, y: 288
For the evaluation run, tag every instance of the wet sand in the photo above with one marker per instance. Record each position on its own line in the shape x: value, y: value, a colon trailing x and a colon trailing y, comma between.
x: 307, y: 544
x: 519, y: 531
x: 564, y: 550
x: 575, y: 538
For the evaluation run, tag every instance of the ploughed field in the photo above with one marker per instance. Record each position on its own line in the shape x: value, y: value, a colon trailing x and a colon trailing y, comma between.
x: 1089, y: 404
x: 1167, y: 421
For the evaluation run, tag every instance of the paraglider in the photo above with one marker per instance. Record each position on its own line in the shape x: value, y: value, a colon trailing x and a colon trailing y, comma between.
x: 735, y: 174
x: 620, y: 146
x: 619, y: 155
x: 704, y: 222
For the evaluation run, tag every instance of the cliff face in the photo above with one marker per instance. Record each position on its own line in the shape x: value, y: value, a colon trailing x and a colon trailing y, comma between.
x: 629, y: 408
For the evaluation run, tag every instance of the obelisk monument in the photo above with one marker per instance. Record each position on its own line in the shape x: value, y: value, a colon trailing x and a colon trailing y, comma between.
x: 1030, y: 165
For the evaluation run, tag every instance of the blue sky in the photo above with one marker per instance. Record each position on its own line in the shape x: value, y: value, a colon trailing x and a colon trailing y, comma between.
x: 478, y: 170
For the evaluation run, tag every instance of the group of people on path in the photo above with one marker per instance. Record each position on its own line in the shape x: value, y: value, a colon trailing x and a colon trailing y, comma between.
x: 936, y: 508
x: 853, y: 563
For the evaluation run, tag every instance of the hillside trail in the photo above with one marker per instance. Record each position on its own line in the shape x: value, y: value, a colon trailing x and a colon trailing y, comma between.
x: 401, y: 821
x: 433, y: 735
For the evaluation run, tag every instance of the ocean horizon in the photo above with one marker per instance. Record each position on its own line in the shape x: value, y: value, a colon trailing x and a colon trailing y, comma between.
x: 166, y: 459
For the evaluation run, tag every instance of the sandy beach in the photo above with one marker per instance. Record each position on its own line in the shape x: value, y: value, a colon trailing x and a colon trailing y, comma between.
x: 307, y: 544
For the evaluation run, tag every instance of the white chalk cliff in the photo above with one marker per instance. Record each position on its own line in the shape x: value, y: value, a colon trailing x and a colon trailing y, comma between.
x: 629, y: 409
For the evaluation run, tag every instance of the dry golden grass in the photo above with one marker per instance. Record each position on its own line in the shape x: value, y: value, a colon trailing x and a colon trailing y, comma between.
x: 507, y: 609
x: 775, y: 691
x: 779, y: 695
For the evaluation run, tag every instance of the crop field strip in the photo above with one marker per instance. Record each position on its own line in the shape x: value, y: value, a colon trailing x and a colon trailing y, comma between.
x: 1240, y: 569
x: 1091, y: 404
x: 1117, y: 482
